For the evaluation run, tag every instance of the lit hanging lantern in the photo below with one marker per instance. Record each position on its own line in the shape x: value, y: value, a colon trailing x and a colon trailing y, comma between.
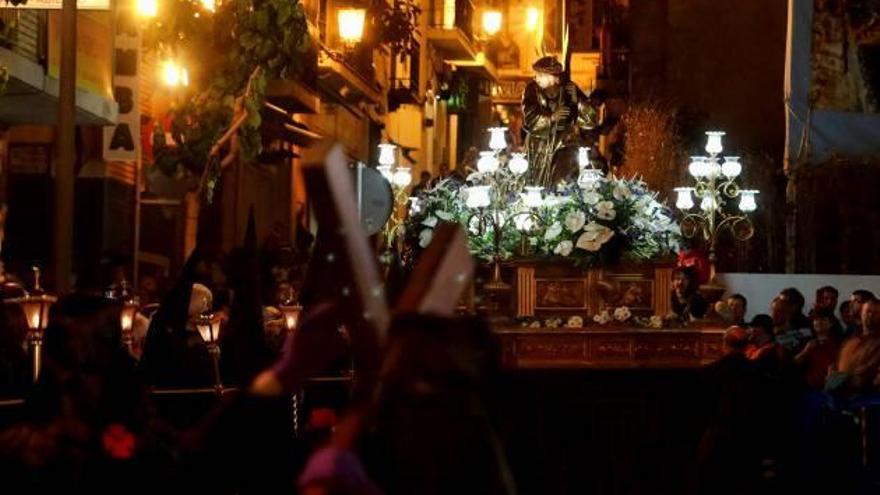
x: 533, y: 19
x: 291, y: 316
x: 147, y: 8
x: 351, y: 25
x: 492, y: 22
x: 174, y: 75
x: 208, y: 326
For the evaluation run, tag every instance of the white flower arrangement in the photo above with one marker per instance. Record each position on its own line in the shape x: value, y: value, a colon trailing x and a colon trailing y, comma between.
x: 610, y: 219
x: 622, y: 314
x: 603, y: 318
x: 574, y: 322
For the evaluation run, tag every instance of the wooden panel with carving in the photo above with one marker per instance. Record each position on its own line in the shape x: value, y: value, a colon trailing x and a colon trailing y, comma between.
x: 609, y: 348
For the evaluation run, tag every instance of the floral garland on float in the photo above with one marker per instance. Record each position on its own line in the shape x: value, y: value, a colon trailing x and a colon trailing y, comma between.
x: 597, y: 221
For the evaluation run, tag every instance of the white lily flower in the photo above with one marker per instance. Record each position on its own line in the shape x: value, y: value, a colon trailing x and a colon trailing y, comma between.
x: 621, y: 191
x: 430, y: 222
x: 605, y: 210
x: 591, y: 197
x: 622, y: 313
x: 444, y: 215
x: 553, y: 231
x: 564, y: 248
x: 594, y: 236
x: 575, y: 221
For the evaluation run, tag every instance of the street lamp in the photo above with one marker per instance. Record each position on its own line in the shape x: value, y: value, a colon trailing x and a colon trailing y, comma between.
x: 147, y: 8
x: 351, y: 25
x: 208, y: 325
x: 126, y: 322
x: 714, y: 186
x: 35, y: 306
x: 291, y: 315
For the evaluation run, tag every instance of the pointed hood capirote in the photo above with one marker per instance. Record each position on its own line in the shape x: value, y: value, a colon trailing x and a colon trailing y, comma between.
x: 166, y: 340
x: 243, y: 341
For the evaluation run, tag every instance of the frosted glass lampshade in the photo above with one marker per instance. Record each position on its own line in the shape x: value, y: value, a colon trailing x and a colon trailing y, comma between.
x: 684, y: 201
x: 488, y: 163
x: 386, y: 154
x: 532, y: 197
x: 584, y: 157
x: 731, y: 168
x: 497, y: 140
x: 708, y: 203
x: 747, y: 201
x: 402, y: 176
x: 478, y: 197
x: 713, y: 142
x: 518, y: 163
x: 697, y: 166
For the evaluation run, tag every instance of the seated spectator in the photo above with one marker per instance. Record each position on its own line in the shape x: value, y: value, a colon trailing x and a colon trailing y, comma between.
x: 687, y: 303
x: 762, y: 347
x: 856, y: 300
x: 737, y: 305
x: 858, y: 366
x: 826, y: 300
x: 847, y: 321
x: 820, y: 353
x: 790, y: 327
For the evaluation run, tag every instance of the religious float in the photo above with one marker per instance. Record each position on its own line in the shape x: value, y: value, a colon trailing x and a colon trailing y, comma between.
x: 578, y: 263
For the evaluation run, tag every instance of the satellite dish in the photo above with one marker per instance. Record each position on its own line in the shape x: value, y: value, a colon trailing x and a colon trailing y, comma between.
x: 376, y: 199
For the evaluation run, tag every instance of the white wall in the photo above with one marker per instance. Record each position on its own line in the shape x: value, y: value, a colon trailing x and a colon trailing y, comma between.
x: 760, y: 288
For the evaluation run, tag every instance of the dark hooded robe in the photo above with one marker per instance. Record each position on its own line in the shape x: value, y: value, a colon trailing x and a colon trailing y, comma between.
x: 174, y: 355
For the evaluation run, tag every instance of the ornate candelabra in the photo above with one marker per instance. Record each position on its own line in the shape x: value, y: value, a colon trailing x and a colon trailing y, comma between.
x: 500, y: 197
x: 715, y: 187
x: 400, y: 178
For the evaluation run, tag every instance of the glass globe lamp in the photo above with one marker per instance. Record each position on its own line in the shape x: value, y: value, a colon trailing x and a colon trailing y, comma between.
x: 518, y: 163
x: 488, y: 163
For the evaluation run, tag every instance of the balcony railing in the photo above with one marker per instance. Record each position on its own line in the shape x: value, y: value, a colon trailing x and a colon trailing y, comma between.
x: 405, y: 79
x: 452, y: 14
x: 24, y: 32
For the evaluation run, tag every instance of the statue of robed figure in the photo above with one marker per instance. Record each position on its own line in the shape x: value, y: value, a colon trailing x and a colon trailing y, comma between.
x: 556, y: 115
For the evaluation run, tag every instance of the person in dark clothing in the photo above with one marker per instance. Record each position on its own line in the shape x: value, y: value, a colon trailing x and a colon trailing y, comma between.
x: 820, y: 353
x: 791, y: 328
x: 729, y: 451
x: 91, y: 426
x: 687, y: 303
x: 174, y: 355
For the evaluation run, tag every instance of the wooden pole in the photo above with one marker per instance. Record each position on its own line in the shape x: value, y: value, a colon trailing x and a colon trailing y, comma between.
x: 64, y: 170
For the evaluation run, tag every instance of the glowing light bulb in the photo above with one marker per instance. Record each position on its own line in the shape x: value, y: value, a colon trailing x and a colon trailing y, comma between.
x: 147, y: 8
x: 696, y: 167
x: 708, y: 203
x: 533, y: 19
x: 351, y: 25
x: 173, y: 74
x: 402, y: 176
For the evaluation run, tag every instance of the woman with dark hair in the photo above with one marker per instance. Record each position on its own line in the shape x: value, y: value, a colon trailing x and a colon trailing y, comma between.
x: 687, y: 303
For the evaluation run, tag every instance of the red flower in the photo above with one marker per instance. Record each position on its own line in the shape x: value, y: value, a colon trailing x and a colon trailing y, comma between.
x: 697, y: 262
x: 118, y: 442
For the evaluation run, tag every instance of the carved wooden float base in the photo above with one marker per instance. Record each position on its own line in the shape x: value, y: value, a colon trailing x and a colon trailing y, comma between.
x: 609, y: 348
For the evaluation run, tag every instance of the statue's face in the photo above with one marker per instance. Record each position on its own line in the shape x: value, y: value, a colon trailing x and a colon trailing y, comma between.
x: 546, y: 80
